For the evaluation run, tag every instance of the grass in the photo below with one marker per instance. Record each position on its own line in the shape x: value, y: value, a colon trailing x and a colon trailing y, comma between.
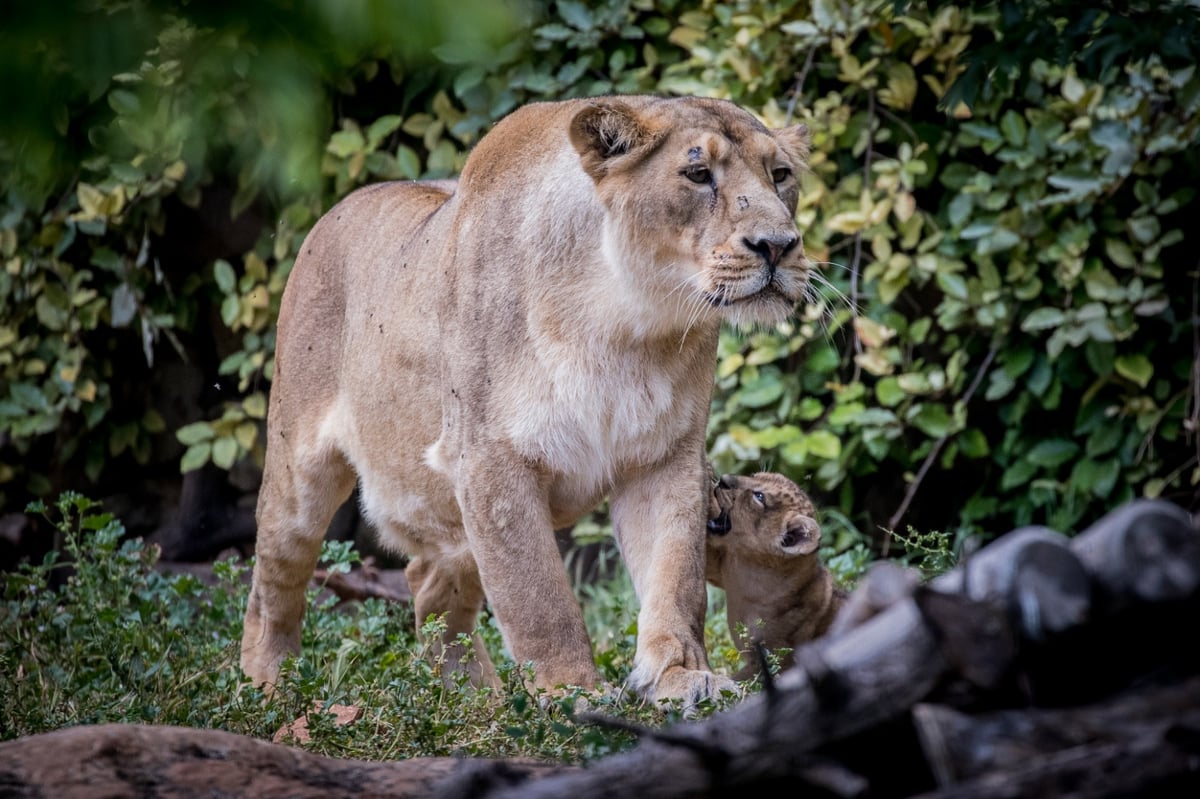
x: 119, y: 641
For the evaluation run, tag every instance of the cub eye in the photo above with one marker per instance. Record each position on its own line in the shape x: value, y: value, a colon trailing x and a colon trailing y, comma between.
x: 759, y: 498
x: 780, y: 174
x: 698, y: 174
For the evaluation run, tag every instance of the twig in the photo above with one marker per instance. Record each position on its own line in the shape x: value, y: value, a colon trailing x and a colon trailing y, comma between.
x: 907, y: 127
x: 798, y: 88
x: 856, y: 261
x: 932, y: 456
x: 1194, y: 414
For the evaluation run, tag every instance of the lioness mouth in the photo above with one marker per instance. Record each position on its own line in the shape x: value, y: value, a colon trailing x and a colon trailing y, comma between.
x: 723, y: 300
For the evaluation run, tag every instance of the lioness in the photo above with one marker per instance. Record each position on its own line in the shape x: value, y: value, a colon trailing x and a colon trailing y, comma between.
x: 762, y: 546
x: 489, y: 359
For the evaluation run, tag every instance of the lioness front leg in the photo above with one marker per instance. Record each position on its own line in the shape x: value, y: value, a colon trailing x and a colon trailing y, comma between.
x: 659, y: 524
x: 507, y: 518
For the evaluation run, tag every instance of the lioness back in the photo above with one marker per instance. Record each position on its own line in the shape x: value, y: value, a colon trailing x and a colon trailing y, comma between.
x: 489, y: 358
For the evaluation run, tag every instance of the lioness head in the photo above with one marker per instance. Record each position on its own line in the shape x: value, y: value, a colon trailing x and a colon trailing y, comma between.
x: 708, y: 190
x: 773, y: 518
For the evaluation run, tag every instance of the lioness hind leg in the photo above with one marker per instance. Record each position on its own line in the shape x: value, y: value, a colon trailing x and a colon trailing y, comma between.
x: 508, y: 525
x: 295, y: 505
x: 451, y: 589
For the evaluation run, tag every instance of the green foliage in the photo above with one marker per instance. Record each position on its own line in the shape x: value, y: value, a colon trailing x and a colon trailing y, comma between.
x: 1014, y: 303
x: 1003, y: 311
x: 931, y: 553
x: 120, y: 641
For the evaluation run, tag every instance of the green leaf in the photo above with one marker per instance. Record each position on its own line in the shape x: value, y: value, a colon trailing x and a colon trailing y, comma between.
x: 224, y: 452
x: 225, y: 276
x: 1074, y: 186
x: 1136, y: 368
x: 554, y: 32
x: 889, y: 393
x: 124, y: 101
x: 196, y: 456
x: 1019, y: 474
x: 1096, y: 477
x: 973, y: 443
x: 1013, y: 126
x: 29, y: 396
x: 345, y: 143
x: 51, y: 315
x: 409, y: 161
x: 231, y: 309
x: 932, y: 419
x: 999, y: 240
x: 575, y: 14
x: 152, y: 422
x: 1043, y: 319
x: 824, y: 444
x: 1105, y: 439
x: 381, y: 128
x: 1052, y: 452
x: 194, y: 433
x: 1000, y: 383
x: 959, y: 210
x: 255, y: 405
x: 762, y: 391
x: 953, y: 285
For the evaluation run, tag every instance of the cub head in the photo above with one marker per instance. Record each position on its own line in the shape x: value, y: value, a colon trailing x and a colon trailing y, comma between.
x: 701, y: 199
x: 764, y: 517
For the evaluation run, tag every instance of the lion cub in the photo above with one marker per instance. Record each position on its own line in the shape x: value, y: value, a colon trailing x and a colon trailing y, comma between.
x: 762, y: 550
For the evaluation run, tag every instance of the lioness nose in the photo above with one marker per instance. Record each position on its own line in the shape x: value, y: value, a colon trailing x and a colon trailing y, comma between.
x: 772, y: 247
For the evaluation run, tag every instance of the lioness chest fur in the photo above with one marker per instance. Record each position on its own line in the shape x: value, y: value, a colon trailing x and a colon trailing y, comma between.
x: 762, y: 544
x: 490, y: 358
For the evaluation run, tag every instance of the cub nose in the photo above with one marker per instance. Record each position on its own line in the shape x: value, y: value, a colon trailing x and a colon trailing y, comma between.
x: 726, y: 481
x: 773, y: 246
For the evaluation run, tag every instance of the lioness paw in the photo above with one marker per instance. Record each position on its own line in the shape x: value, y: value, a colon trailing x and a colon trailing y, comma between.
x: 689, y: 686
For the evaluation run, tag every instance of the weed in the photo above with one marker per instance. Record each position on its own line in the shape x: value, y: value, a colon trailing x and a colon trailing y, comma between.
x: 119, y: 641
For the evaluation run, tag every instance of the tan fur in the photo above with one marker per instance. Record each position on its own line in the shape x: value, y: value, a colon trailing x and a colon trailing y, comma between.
x: 489, y: 359
x: 762, y: 550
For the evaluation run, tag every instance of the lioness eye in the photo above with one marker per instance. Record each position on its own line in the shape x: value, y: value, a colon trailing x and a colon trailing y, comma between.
x: 780, y: 174
x: 697, y: 174
x: 759, y: 498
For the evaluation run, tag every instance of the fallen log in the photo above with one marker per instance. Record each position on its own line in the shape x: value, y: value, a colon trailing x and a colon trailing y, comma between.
x: 1034, y: 573
x: 122, y: 760
x: 960, y: 747
x: 1145, y: 551
x: 1140, y: 767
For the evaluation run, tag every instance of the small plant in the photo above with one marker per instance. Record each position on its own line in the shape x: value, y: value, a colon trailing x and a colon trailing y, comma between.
x: 120, y: 641
x: 930, y: 553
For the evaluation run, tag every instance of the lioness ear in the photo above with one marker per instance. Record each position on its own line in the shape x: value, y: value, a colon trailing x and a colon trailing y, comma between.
x: 796, y: 142
x: 605, y: 130
x: 801, y: 538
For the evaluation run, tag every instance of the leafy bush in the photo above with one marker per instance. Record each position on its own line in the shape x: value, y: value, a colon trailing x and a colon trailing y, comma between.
x: 1001, y: 333
x: 1019, y: 329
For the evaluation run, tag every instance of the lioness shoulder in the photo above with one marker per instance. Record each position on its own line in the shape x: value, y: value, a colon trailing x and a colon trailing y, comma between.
x: 761, y: 548
x: 488, y: 359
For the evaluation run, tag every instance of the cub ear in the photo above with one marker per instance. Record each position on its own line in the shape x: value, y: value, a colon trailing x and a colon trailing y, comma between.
x: 606, y: 130
x: 796, y: 142
x: 802, y: 537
